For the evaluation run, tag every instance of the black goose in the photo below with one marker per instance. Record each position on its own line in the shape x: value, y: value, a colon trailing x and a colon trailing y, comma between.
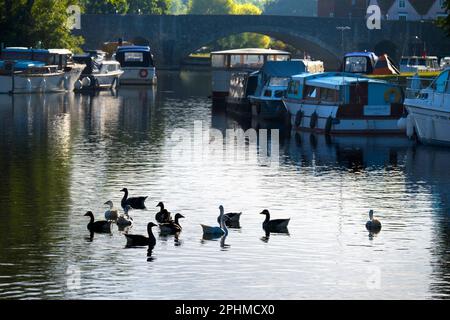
x: 134, y: 202
x: 373, y: 225
x: 97, y: 226
x: 163, y: 216
x: 233, y: 218
x: 277, y: 225
x: 172, y: 227
x: 142, y: 241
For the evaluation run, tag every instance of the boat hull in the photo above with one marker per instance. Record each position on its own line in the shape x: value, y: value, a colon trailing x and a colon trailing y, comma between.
x: 325, y: 119
x: 100, y: 81
x: 35, y: 83
x: 268, y: 109
x: 138, y: 76
x: 431, y: 126
x: 239, y: 107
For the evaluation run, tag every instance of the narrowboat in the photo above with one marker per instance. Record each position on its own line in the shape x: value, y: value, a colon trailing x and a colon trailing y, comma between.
x: 225, y: 63
x: 334, y: 102
x: 137, y: 64
x: 428, y: 109
x: 99, y: 73
x: 25, y: 70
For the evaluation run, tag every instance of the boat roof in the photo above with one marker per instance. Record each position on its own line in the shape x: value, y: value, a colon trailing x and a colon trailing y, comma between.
x: 333, y: 80
x: 134, y: 48
x: 283, y: 68
x: 252, y: 51
x: 368, y: 54
x: 110, y: 62
x: 24, y: 49
x: 419, y: 57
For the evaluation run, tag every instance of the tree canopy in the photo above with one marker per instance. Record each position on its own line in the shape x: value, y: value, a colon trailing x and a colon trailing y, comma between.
x: 445, y: 22
x: 32, y: 23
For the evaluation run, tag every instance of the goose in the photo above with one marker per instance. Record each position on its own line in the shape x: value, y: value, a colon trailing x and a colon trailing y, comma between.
x: 233, y: 218
x: 217, y: 231
x: 142, y: 241
x: 111, y: 214
x: 125, y: 220
x: 135, y: 202
x: 274, y: 225
x: 373, y: 225
x: 172, y: 227
x: 163, y: 216
x: 97, y: 226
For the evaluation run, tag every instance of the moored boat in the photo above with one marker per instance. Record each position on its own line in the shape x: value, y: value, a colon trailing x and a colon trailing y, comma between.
x: 138, y: 65
x: 421, y: 65
x: 273, y: 80
x: 344, y: 103
x: 24, y: 70
x: 99, y: 73
x: 429, y: 111
x: 368, y: 63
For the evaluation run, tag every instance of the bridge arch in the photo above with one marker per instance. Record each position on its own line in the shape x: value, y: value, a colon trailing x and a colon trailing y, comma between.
x: 317, y: 48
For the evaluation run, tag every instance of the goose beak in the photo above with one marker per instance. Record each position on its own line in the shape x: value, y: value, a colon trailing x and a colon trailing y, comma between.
x: 181, y: 216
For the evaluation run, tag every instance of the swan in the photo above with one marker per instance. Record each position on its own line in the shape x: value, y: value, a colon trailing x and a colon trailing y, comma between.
x: 172, y: 227
x: 163, y: 216
x: 217, y: 231
x: 134, y: 202
x: 373, y: 225
x: 125, y: 220
x: 274, y: 225
x: 97, y: 226
x: 141, y: 241
x: 111, y: 214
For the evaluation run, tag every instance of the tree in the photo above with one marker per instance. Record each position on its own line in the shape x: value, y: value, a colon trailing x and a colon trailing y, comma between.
x: 291, y: 7
x: 150, y: 6
x: 30, y: 22
x: 211, y: 6
x: 105, y: 6
x: 445, y: 22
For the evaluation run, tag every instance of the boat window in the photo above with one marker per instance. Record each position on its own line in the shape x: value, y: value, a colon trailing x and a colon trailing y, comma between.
x: 328, y: 95
x: 311, y: 93
x: 275, y: 57
x: 439, y: 85
x: 356, y: 64
x: 280, y: 82
x: 279, y: 93
x: 218, y: 60
x: 268, y: 93
x: 293, y: 87
x: 242, y: 61
x: 134, y: 57
x: 404, y: 61
x: 421, y: 62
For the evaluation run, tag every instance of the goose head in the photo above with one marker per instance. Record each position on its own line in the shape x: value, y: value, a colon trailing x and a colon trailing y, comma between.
x: 371, y: 214
x: 222, y: 210
x: 150, y: 226
x: 109, y: 203
x: 89, y: 214
x: 124, y: 190
x: 161, y: 205
x: 265, y: 212
x: 179, y: 216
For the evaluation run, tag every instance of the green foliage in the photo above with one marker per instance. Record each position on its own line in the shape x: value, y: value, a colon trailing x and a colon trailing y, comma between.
x: 179, y: 7
x: 211, y: 6
x: 31, y: 23
x: 291, y: 7
x: 105, y: 6
x: 445, y: 22
x: 150, y: 6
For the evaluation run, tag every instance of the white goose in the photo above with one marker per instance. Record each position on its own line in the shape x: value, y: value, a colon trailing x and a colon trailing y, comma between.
x: 111, y: 214
x: 217, y: 231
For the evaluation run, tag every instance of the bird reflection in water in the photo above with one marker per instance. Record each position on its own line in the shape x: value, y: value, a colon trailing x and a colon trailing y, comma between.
x: 223, y: 245
x: 266, y: 237
x: 150, y: 258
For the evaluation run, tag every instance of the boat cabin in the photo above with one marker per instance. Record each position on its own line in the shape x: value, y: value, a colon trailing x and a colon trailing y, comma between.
x: 419, y: 64
x: 135, y: 56
x: 58, y: 58
x: 369, y: 63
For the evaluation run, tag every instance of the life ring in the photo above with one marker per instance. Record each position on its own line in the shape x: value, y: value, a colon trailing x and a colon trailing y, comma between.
x: 298, y: 118
x: 143, y: 73
x: 396, y: 92
x: 313, y: 121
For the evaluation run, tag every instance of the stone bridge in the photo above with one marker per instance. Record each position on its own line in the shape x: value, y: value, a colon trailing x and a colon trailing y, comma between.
x: 173, y: 38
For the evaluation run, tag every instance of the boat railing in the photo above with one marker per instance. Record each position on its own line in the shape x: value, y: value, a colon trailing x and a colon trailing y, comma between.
x: 415, y: 85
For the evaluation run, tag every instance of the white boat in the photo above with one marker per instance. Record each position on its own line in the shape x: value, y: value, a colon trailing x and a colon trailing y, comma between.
x: 225, y: 63
x: 138, y: 65
x: 429, y: 110
x: 342, y: 103
x: 99, y: 73
x: 419, y: 64
x: 24, y: 70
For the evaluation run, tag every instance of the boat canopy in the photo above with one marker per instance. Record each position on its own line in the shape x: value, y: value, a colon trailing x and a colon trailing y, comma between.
x: 135, y: 56
x: 256, y: 51
x: 134, y: 49
x: 330, y: 80
x: 283, y: 68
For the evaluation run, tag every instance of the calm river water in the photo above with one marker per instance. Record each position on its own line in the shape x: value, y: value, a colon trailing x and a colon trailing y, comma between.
x: 64, y: 154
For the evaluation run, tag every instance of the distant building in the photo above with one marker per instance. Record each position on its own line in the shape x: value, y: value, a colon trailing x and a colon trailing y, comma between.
x: 391, y: 9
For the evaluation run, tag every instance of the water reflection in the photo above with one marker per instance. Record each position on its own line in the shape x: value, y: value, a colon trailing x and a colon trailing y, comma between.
x: 64, y: 154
